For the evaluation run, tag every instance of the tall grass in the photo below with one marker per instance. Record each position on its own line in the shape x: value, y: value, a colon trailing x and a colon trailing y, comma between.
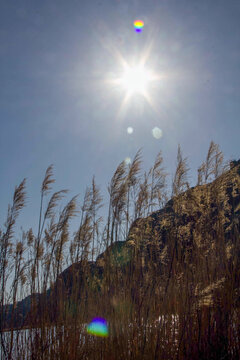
x: 171, y: 299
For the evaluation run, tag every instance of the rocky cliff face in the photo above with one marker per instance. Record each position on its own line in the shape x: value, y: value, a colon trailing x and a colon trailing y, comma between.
x: 195, y: 216
x: 197, y: 231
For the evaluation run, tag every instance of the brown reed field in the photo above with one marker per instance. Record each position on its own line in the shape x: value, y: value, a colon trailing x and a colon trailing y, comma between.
x: 171, y: 295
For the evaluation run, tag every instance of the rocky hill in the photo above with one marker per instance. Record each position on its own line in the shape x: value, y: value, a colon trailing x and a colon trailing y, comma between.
x: 195, y: 236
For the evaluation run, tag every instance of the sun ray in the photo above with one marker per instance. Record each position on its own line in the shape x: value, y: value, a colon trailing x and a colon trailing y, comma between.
x: 146, y: 54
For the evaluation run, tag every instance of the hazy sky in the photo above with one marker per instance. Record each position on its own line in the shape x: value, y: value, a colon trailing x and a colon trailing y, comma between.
x: 56, y: 106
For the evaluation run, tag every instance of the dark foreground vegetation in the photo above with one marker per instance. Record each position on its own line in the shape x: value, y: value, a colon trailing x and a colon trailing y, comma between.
x: 163, y: 269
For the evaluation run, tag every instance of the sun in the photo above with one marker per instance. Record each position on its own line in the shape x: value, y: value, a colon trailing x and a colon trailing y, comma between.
x: 135, y: 79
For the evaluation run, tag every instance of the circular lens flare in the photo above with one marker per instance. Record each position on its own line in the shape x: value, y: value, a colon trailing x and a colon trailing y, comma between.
x: 98, y: 327
x: 127, y: 160
x: 129, y: 130
x: 157, y: 133
x: 138, y: 24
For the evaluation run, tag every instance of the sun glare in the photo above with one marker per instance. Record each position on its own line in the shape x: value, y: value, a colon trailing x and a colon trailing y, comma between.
x: 135, y: 79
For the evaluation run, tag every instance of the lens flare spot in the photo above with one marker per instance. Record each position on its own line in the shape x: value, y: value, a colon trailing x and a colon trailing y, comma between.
x: 129, y: 130
x: 98, y: 327
x: 127, y: 160
x: 157, y: 133
x: 138, y: 24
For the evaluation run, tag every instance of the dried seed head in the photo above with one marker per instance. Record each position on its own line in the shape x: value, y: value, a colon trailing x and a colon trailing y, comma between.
x: 48, y: 238
x: 40, y: 251
x: 48, y: 180
x: 19, y: 248
x: 30, y: 237
x: 19, y: 197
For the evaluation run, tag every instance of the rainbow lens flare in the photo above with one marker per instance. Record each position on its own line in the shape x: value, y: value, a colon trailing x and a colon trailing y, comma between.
x: 138, y: 24
x: 98, y: 327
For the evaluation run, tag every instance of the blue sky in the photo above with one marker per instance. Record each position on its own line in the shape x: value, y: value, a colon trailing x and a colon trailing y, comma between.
x: 57, y: 108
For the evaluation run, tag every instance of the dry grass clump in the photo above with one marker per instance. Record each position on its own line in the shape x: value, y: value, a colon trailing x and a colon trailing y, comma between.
x: 177, y: 299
